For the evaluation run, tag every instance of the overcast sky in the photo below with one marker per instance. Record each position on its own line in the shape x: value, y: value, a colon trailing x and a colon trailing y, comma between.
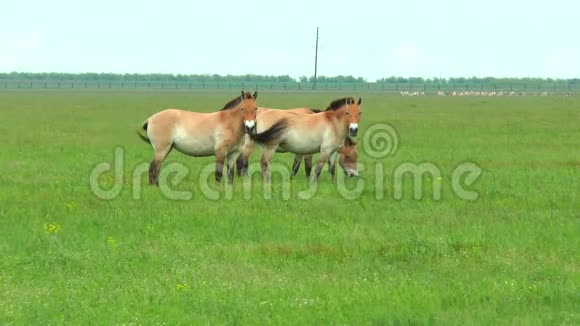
x: 371, y: 39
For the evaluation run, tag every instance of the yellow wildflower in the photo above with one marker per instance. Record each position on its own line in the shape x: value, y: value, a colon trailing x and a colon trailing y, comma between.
x: 111, y: 243
x: 182, y: 286
x: 70, y: 205
x: 51, y: 228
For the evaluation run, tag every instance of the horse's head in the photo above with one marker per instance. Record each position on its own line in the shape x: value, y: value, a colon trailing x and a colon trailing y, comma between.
x: 348, y: 112
x: 353, y: 113
x: 248, y: 108
x: 348, y: 157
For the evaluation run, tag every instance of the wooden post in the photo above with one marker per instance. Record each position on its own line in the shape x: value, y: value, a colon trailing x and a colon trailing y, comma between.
x: 315, y: 61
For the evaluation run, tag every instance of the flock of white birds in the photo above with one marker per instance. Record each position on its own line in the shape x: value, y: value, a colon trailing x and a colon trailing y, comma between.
x: 479, y: 93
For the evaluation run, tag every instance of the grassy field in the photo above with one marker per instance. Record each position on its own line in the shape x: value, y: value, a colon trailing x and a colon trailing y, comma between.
x: 509, y: 257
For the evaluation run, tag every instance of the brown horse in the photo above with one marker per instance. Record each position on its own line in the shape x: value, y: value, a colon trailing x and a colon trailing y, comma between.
x: 201, y: 134
x: 306, y: 134
x: 266, y: 117
x: 347, y: 159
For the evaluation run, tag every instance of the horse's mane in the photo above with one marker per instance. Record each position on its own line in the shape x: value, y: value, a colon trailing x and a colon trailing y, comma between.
x: 236, y: 101
x: 348, y: 141
x: 337, y: 104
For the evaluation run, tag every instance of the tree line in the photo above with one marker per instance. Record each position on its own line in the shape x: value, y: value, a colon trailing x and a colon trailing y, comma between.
x: 283, y: 78
x: 143, y: 77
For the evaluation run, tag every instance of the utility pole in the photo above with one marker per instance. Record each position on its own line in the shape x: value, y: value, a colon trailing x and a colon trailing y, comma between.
x: 315, y: 60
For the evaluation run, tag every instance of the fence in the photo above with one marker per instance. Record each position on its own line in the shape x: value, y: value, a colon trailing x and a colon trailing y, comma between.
x: 330, y: 86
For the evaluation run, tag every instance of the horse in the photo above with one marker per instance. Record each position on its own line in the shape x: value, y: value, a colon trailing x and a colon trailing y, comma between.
x: 266, y: 117
x: 198, y: 134
x: 307, y: 134
x: 347, y: 160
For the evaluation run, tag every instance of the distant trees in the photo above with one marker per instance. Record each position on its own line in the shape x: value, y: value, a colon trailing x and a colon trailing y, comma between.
x: 144, y: 77
x: 251, y: 78
x: 337, y: 79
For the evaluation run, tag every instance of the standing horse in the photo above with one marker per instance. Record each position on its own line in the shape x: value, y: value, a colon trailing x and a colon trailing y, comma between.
x: 266, y: 117
x: 201, y: 134
x: 306, y: 134
x: 347, y: 160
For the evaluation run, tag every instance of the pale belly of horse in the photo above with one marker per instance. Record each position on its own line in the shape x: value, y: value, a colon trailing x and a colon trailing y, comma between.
x: 298, y: 143
x: 299, y: 147
x: 194, y: 146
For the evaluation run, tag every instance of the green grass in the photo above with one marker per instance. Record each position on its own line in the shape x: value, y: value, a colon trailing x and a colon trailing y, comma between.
x: 510, y: 257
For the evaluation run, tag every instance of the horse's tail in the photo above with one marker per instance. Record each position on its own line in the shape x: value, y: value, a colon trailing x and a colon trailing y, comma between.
x: 271, y: 134
x: 142, y: 133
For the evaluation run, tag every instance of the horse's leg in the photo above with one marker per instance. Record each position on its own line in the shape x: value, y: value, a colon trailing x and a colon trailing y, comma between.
x: 296, y: 164
x: 232, y: 159
x: 242, y: 163
x: 321, y: 160
x: 220, y: 157
x: 308, y: 165
x: 332, y: 164
x: 265, y: 161
x: 161, y: 149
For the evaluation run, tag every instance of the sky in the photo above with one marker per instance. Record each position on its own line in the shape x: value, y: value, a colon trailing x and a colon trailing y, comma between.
x: 369, y: 39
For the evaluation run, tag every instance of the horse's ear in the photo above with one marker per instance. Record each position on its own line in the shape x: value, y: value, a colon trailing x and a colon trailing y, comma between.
x: 243, y: 95
x: 255, y: 95
x: 359, y: 101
